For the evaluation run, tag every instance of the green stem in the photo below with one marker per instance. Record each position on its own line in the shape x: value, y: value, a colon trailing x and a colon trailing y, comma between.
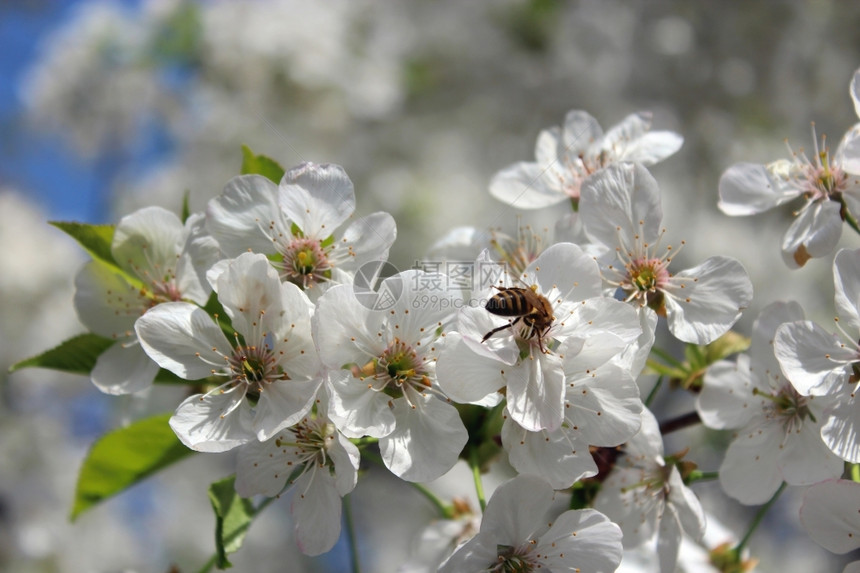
x: 855, y: 473
x: 666, y: 357
x: 697, y: 475
x: 350, y: 534
x: 653, y: 393
x: 757, y: 519
x: 476, y: 475
x: 849, y: 218
x: 209, y: 565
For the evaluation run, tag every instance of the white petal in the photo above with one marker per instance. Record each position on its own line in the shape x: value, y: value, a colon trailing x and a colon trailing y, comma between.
x: 241, y: 216
x: 846, y: 279
x: 181, y: 337
x: 564, y: 268
x: 804, y: 459
x: 581, y: 540
x: 579, y: 132
x: 536, y: 399
x: 815, y: 233
x: 726, y: 400
x: 427, y: 439
x: 147, y: 241
x: 123, y: 370
x: 318, y: 198
x: 687, y: 506
x: 748, y: 188
x: 749, y: 472
x: 595, y: 317
x: 707, y: 300
x: 346, y: 458
x: 106, y: 302
x: 761, y: 350
x: 356, y: 409
x: 621, y: 202
x: 282, y: 404
x: 262, y: 468
x: 365, y: 240
x: 525, y: 186
x: 516, y: 510
x: 558, y: 457
x: 854, y: 90
x: 624, y: 504
x: 810, y: 357
x: 465, y: 376
x: 316, y: 510
x: 201, y: 251
x: 830, y: 514
x: 604, y: 405
x: 344, y: 330
x: 841, y: 431
x: 848, y: 156
x: 653, y: 147
x: 668, y: 540
x: 250, y: 290
x: 213, y: 422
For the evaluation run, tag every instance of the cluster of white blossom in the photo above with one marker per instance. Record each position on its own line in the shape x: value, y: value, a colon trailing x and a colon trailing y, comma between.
x: 527, y: 353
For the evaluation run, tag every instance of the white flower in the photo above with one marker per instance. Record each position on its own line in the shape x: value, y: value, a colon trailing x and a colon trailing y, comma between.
x: 825, y: 183
x: 271, y: 366
x: 621, y: 210
x: 778, y: 429
x: 515, y: 535
x: 601, y: 408
x: 297, y: 222
x: 646, y: 497
x: 821, y: 364
x: 159, y: 257
x: 568, y: 156
x: 382, y: 377
x: 328, y: 466
x: 494, y: 351
x: 830, y: 514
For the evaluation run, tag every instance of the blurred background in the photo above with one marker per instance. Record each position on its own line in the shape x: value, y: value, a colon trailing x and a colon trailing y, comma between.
x: 109, y: 106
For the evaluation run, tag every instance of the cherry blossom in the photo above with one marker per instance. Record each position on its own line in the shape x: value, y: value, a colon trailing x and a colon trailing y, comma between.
x: 271, y: 366
x: 646, y: 497
x: 830, y: 515
x: 327, y: 466
x: 821, y: 364
x: 778, y: 428
x: 515, y: 535
x: 382, y: 372
x: 298, y: 222
x: 160, y: 260
x: 567, y: 156
x: 621, y: 211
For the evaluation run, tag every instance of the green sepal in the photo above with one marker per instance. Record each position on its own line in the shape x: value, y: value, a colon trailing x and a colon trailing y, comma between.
x: 233, y: 516
x: 689, y: 373
x: 253, y: 164
x: 96, y: 239
x: 124, y: 457
x: 186, y: 206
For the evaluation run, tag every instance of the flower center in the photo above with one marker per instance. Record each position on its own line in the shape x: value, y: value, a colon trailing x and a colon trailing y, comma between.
x: 824, y: 180
x: 398, y: 365
x: 787, y: 405
x: 312, y: 439
x: 305, y: 263
x: 255, y: 366
x: 645, y: 280
x: 513, y: 560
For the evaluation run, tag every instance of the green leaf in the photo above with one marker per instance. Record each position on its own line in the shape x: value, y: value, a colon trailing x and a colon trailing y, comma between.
x: 77, y: 355
x: 123, y: 458
x: 96, y: 239
x: 253, y: 164
x: 233, y: 516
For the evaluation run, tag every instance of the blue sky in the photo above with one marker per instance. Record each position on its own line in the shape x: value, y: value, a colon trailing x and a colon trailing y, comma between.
x: 39, y: 164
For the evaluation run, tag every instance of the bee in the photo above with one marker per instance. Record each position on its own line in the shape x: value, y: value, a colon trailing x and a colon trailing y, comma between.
x: 527, y: 305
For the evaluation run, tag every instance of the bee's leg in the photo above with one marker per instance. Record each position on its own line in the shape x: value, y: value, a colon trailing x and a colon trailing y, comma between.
x: 503, y: 327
